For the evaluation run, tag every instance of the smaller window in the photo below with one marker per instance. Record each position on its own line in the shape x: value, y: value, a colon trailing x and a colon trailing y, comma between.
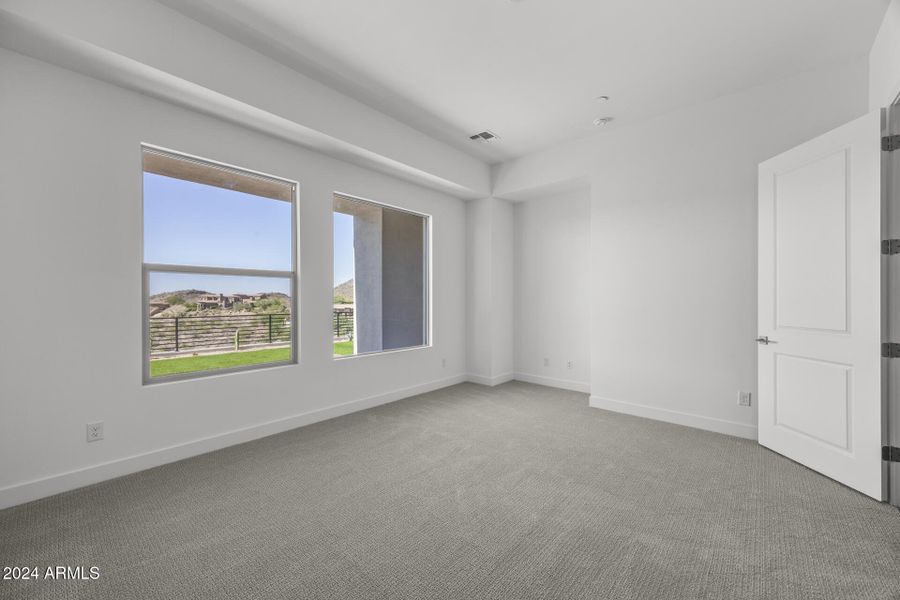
x: 380, y: 277
x: 219, y: 268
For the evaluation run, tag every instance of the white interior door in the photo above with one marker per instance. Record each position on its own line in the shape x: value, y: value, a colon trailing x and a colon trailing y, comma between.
x: 820, y: 304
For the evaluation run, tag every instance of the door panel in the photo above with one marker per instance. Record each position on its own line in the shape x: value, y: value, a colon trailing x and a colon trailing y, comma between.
x: 811, y: 244
x: 805, y: 387
x: 820, y: 302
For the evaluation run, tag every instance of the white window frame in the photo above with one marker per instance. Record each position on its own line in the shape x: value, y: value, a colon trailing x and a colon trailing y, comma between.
x: 426, y: 274
x: 148, y: 268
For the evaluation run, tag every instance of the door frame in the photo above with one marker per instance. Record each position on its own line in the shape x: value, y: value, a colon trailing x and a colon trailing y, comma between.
x: 890, y: 323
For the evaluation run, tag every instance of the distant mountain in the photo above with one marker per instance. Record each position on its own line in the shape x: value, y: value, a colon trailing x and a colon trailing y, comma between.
x: 194, y: 295
x: 186, y: 295
x: 343, y: 292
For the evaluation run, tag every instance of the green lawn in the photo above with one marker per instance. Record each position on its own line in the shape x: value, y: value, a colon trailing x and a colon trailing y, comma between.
x: 189, y: 364
x: 343, y: 348
x: 210, y: 362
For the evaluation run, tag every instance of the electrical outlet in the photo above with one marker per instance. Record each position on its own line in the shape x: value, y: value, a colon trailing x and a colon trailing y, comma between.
x: 95, y: 431
x: 570, y: 365
x: 546, y: 362
x: 743, y: 398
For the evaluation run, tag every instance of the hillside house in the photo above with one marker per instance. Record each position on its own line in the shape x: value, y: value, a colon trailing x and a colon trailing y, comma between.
x: 228, y: 300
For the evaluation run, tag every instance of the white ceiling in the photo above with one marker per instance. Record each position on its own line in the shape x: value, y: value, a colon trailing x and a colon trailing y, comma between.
x: 530, y: 70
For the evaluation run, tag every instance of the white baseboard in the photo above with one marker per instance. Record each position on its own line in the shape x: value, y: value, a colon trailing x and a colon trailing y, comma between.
x: 677, y: 417
x: 565, y: 384
x: 491, y: 381
x: 47, y: 486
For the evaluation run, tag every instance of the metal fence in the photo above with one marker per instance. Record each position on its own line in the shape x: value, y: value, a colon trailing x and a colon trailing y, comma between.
x: 211, y: 332
x: 342, y: 322
x: 196, y: 332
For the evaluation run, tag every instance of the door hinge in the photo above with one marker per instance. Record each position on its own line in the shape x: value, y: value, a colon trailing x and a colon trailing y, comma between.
x: 890, y: 453
x: 889, y: 143
x: 890, y: 246
x: 890, y: 350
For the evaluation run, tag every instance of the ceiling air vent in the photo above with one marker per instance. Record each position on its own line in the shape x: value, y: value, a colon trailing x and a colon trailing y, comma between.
x: 484, y: 136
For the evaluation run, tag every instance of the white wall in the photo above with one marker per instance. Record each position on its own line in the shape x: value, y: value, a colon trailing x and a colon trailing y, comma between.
x: 70, y: 311
x: 478, y: 290
x: 673, y: 241
x: 884, y: 60
x: 552, y: 290
x: 502, y: 280
x: 489, y: 294
x: 147, y: 46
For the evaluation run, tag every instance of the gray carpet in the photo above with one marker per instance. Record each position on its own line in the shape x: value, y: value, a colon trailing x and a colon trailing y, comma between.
x: 469, y: 492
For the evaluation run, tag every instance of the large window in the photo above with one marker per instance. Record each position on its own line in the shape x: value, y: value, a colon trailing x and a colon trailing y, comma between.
x: 219, y: 267
x: 380, y: 277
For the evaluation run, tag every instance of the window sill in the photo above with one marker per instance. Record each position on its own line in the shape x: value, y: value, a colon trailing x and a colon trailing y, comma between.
x: 381, y: 352
x: 180, y: 377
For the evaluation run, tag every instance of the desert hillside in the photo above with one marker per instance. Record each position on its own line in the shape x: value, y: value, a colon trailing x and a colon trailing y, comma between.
x: 343, y: 292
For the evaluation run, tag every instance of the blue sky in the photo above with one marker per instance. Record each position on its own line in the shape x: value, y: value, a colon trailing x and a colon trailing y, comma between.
x: 187, y: 223
x: 343, y: 247
x: 217, y: 284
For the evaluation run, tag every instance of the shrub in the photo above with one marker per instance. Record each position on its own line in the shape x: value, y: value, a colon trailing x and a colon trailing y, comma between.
x: 269, y: 305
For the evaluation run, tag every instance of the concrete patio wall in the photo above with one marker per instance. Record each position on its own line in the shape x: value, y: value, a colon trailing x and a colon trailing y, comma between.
x: 403, y: 256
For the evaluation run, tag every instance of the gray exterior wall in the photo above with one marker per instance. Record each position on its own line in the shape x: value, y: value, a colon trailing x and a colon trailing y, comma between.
x: 403, y: 277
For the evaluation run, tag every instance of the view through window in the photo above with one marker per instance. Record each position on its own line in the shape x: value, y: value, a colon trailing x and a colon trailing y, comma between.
x: 380, y: 277
x: 219, y: 268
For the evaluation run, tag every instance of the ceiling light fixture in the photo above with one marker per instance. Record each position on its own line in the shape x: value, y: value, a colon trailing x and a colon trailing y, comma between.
x: 603, y: 98
x: 599, y: 121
